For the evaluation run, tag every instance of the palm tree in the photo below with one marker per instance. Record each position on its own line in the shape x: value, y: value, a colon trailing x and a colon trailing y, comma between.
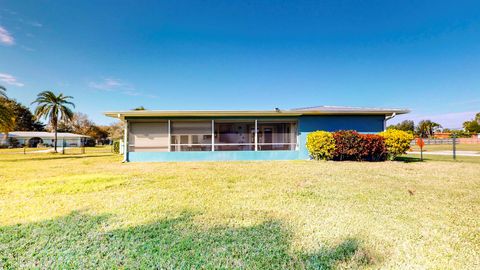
x: 53, y: 108
x: 426, y: 128
x: 7, y: 118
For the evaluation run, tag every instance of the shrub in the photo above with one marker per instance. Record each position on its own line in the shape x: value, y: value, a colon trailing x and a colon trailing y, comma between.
x: 321, y: 145
x: 372, y: 148
x: 116, y: 147
x: 396, y: 141
x: 13, y: 142
x: 89, y: 142
x: 347, y: 145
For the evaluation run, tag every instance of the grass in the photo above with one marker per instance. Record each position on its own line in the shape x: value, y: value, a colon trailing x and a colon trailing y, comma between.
x: 449, y: 158
x: 448, y: 147
x: 68, y: 150
x: 91, y: 211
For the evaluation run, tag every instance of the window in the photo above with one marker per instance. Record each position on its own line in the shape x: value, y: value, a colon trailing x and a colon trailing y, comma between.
x: 190, y: 136
x: 277, y: 135
x: 234, y: 135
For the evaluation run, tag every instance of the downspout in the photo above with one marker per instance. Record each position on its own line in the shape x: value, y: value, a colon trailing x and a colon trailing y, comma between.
x: 386, y: 119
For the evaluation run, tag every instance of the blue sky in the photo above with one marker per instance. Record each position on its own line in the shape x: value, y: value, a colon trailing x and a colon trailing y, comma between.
x: 117, y: 55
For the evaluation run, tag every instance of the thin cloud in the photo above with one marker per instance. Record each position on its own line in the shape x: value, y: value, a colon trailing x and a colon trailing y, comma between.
x: 116, y: 85
x: 10, y: 79
x: 36, y: 24
x: 11, y: 12
x: 108, y: 84
x: 5, y: 37
x: 27, y: 48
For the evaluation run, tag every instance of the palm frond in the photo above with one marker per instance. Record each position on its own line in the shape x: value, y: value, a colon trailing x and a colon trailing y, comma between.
x: 2, y: 91
x: 53, y: 107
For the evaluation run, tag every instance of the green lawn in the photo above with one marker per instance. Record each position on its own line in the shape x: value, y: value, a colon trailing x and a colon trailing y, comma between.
x: 449, y: 158
x: 448, y: 147
x: 91, y: 211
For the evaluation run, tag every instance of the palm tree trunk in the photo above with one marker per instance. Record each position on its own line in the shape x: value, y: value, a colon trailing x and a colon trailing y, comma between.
x: 55, y: 129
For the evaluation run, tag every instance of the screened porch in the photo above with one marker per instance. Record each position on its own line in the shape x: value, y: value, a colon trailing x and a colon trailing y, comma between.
x: 211, y: 135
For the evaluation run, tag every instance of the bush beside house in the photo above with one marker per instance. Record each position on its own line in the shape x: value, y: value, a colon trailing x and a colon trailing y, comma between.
x: 351, y: 145
x: 347, y: 145
x: 396, y: 141
x: 372, y: 148
x: 321, y: 145
x: 116, y: 147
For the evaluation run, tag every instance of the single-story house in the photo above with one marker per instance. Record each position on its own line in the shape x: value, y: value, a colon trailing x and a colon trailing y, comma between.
x: 34, y: 138
x: 152, y: 135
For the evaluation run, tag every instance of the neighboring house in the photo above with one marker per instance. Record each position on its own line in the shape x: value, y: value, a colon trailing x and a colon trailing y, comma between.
x: 238, y: 135
x: 34, y: 138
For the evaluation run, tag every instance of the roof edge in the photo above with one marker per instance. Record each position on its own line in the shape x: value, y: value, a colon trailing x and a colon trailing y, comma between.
x: 193, y: 113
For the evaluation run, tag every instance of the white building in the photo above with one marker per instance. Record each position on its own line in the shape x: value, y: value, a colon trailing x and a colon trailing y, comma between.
x: 34, y: 138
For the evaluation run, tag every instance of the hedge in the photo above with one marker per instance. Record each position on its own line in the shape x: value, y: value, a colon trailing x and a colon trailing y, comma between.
x: 396, y: 141
x: 321, y: 145
x: 346, y: 145
x: 116, y: 147
x: 372, y: 148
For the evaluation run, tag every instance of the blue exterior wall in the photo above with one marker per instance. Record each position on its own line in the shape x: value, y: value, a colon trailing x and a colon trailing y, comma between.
x: 306, y: 124
x: 360, y: 123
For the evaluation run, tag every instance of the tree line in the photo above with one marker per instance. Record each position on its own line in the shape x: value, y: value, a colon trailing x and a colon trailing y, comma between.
x: 427, y: 128
x: 57, y: 110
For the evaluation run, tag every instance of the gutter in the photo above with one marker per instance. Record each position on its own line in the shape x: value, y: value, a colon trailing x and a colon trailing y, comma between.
x: 390, y: 117
x: 386, y: 119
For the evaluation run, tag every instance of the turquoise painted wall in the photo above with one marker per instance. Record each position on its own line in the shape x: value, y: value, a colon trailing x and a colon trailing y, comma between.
x: 306, y: 124
x: 213, y: 156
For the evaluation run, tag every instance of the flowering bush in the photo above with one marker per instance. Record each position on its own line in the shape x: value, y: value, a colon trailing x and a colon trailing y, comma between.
x: 321, y: 145
x: 347, y: 145
x: 397, y: 142
x: 372, y: 148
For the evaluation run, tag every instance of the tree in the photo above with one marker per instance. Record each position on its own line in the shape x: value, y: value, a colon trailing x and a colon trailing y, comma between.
x: 80, y: 124
x: 426, y: 128
x: 473, y: 126
x: 115, y: 130
x: 7, y: 119
x: 53, y: 108
x: 406, y: 125
x: 24, y: 119
x: 141, y: 108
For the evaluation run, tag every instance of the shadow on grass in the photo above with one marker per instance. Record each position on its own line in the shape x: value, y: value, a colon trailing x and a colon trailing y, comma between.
x: 80, y: 241
x: 409, y: 159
